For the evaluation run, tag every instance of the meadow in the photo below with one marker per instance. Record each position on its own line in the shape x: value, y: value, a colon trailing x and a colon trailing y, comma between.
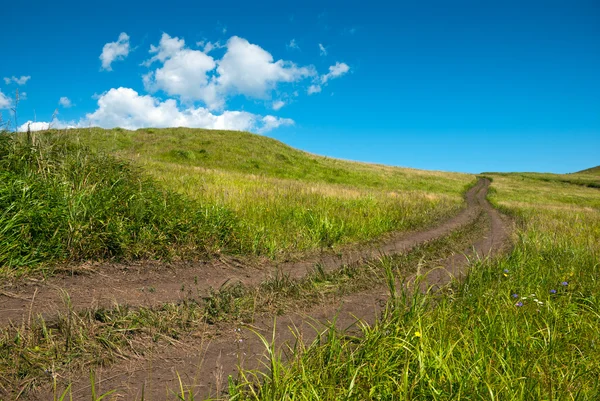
x: 520, y: 327
x: 286, y: 201
x: 97, y: 194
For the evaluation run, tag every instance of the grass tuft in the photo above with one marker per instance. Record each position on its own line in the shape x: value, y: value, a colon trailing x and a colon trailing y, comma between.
x: 61, y: 201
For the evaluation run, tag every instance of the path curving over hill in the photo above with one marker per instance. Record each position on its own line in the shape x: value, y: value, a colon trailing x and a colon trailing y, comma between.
x: 204, y: 361
x: 154, y: 283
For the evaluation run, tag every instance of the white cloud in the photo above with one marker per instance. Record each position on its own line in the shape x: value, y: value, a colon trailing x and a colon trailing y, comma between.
x: 115, y: 51
x: 125, y: 108
x: 207, y: 47
x: 4, y: 101
x: 278, y: 104
x: 314, y: 89
x: 184, y: 72
x: 34, y: 126
x: 249, y: 70
x: 19, y: 81
x: 245, y: 69
x: 293, y: 45
x: 65, y: 102
x: 167, y: 48
x: 43, y: 126
x: 335, y: 71
x: 322, y: 50
x: 270, y: 123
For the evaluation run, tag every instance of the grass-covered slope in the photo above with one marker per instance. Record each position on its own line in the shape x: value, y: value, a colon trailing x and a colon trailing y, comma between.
x: 524, y: 327
x: 585, y: 178
x: 60, y: 201
x: 247, y: 153
x: 593, y: 171
x: 93, y: 194
x: 285, y: 200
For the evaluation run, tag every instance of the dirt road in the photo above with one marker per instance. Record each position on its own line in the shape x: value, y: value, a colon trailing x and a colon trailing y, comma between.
x: 204, y: 359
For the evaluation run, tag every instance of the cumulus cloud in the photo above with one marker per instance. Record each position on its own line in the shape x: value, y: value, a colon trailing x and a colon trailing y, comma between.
x: 65, y: 102
x: 115, y: 51
x: 192, y: 75
x: 249, y: 70
x: 125, y: 108
x: 322, y: 50
x: 34, y: 126
x: 4, y: 101
x: 184, y: 72
x: 19, y: 81
x: 43, y: 126
x: 335, y: 71
x: 293, y: 45
x: 313, y: 89
x: 167, y: 48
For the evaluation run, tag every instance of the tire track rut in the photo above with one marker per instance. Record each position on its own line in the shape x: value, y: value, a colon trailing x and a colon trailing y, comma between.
x: 204, y: 363
x: 148, y: 283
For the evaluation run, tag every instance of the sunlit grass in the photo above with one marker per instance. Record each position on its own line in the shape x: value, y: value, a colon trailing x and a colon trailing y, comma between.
x: 180, y: 193
x: 523, y: 327
x: 285, y: 201
x: 280, y: 216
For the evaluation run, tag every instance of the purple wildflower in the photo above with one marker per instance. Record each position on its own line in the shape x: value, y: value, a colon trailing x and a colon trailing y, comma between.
x: 564, y: 283
x: 515, y: 295
x: 553, y: 291
x: 506, y: 271
x: 519, y: 304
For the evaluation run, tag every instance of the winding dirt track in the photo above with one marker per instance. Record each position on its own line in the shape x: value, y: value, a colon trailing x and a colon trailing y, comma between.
x: 204, y: 359
x: 149, y: 283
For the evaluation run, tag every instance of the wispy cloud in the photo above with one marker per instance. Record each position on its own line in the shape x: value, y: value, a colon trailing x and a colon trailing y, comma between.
x: 19, y: 81
x: 65, y: 102
x: 313, y: 89
x: 335, y: 71
x: 4, y: 101
x: 278, y: 104
x: 115, y: 51
x: 207, y: 46
x: 322, y: 50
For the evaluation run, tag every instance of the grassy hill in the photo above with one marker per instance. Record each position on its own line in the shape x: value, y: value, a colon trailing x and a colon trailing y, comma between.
x: 593, y: 171
x: 285, y: 201
x: 247, y: 153
x: 583, y: 178
x: 95, y: 194
x: 519, y: 327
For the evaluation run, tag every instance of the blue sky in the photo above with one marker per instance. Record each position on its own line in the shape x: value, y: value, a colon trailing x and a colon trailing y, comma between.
x: 446, y: 85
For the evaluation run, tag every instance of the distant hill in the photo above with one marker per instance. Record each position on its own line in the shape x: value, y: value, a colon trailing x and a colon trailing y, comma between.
x: 593, y: 170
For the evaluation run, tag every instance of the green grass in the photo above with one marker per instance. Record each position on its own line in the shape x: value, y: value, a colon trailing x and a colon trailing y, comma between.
x: 34, y: 353
x: 476, y: 342
x: 60, y: 201
x: 98, y: 194
x: 287, y: 201
x: 592, y: 170
x: 584, y: 178
x: 256, y: 155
